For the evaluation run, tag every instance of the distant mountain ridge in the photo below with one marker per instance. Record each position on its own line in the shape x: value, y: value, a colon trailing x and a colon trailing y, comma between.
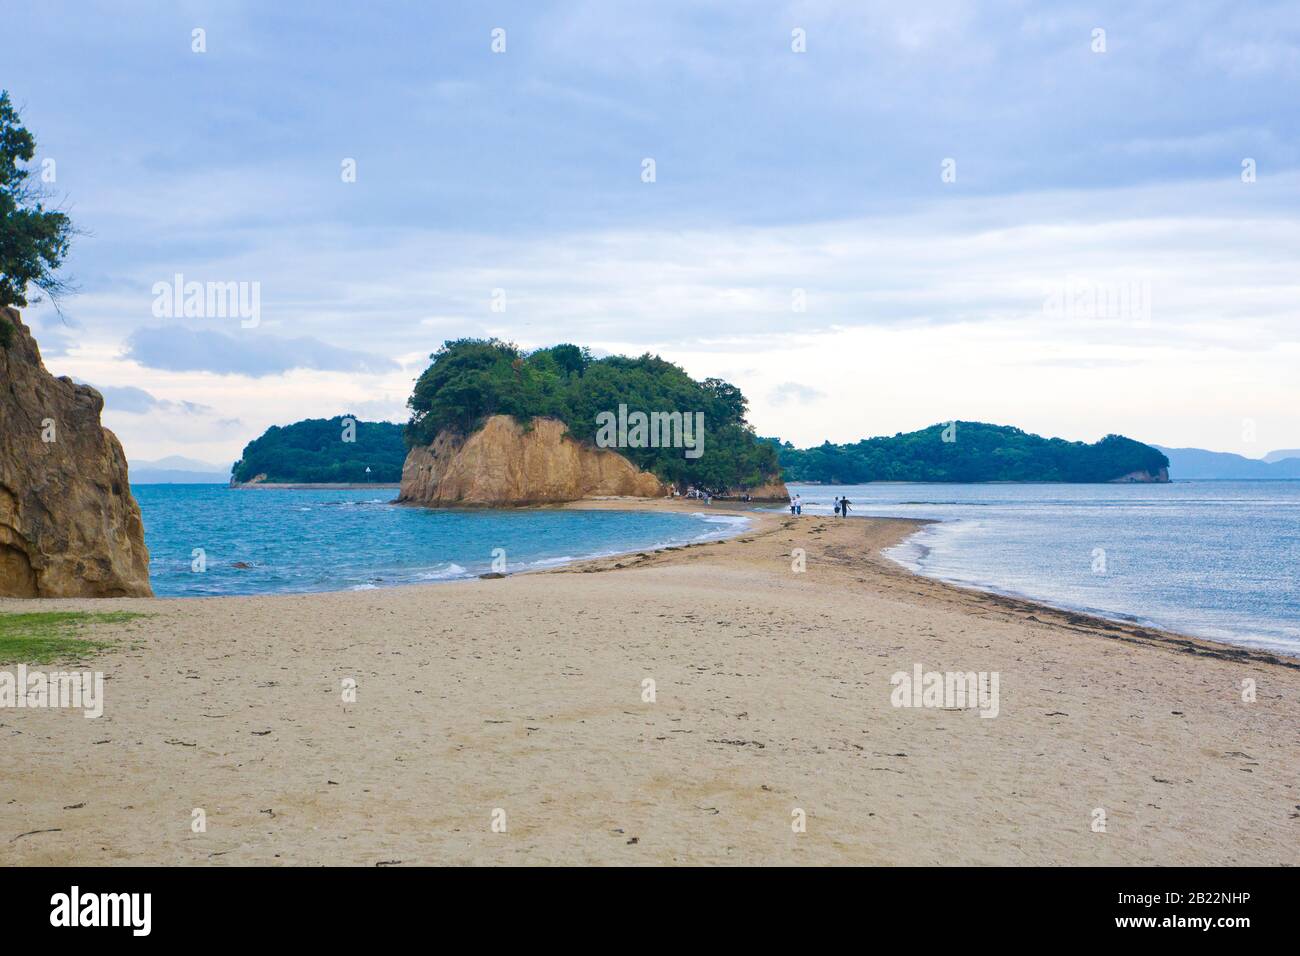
x: 175, y: 470
x: 1199, y: 463
x: 1282, y: 453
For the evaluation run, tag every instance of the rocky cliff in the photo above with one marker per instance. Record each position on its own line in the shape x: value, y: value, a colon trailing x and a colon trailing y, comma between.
x: 504, y: 463
x: 69, y: 526
x: 773, y: 489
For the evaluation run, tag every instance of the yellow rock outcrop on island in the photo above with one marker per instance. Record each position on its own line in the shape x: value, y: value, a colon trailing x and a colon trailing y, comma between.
x: 504, y: 463
x: 69, y: 526
x: 773, y: 489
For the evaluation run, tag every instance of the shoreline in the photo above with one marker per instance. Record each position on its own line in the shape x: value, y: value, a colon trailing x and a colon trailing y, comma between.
x: 1089, y: 620
x: 745, y: 509
x: 1099, y: 615
x: 772, y: 694
x: 1033, y: 608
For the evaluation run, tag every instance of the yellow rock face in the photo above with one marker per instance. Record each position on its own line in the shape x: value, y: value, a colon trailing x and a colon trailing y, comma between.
x: 69, y: 526
x: 771, y: 490
x: 505, y: 464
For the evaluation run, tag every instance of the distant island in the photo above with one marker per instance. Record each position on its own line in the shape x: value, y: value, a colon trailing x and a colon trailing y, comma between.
x: 324, y: 451
x: 478, y: 379
x: 973, y: 452
x: 493, y: 424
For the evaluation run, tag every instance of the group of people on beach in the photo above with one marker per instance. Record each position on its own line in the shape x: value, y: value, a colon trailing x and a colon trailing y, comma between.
x: 841, y: 506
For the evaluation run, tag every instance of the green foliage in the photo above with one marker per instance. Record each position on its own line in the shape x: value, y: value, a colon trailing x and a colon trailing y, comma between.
x: 33, y: 240
x: 980, y: 453
x: 44, y: 637
x: 471, y: 379
x: 313, y: 451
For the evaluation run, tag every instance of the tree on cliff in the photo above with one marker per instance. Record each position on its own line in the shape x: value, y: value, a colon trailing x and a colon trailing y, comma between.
x: 33, y: 239
x: 471, y: 379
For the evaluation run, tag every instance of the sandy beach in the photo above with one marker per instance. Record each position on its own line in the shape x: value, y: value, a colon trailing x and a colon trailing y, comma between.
x: 772, y: 695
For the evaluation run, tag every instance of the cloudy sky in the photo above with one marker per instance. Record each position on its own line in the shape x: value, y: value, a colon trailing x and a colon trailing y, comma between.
x: 938, y: 210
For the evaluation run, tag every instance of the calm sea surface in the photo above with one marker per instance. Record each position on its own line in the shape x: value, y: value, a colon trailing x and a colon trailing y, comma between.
x: 271, y: 541
x: 1218, y: 559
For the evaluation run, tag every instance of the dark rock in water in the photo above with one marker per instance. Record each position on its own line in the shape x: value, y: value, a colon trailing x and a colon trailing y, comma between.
x: 69, y: 526
x: 492, y: 574
x: 241, y: 565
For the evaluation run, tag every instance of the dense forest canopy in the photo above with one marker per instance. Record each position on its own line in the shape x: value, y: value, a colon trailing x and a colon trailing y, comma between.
x: 472, y: 379
x: 316, y: 451
x: 977, y: 452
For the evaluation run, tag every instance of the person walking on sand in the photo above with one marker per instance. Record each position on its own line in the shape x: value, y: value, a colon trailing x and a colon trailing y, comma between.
x: 792, y: 505
x: 798, y: 504
x: 844, y: 507
x: 837, y: 506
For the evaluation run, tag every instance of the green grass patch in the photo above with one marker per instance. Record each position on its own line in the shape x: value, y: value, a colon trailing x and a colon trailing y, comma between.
x: 45, y: 637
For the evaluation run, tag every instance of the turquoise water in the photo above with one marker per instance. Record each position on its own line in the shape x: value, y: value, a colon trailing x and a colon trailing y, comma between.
x: 296, y: 541
x: 1217, y: 559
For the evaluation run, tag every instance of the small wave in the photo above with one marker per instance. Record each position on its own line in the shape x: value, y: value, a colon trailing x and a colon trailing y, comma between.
x: 720, y: 519
x: 964, y: 504
x: 563, y: 559
x: 730, y: 525
x: 452, y: 570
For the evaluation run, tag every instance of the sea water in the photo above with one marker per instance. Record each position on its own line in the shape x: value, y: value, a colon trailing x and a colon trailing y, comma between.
x: 267, y: 541
x: 1216, y: 559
